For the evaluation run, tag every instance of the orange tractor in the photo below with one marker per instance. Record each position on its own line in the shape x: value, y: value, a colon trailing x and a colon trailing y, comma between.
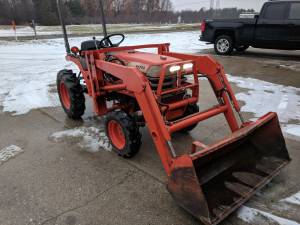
x: 133, y: 88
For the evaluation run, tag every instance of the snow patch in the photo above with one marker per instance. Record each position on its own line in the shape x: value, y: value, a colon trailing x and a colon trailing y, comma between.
x: 186, y: 42
x: 294, y: 199
x: 7, y: 31
x: 255, y: 216
x: 263, y: 97
x: 27, y: 71
x: 29, y: 67
x: 247, y: 214
x: 26, y: 31
x: 282, y: 206
x: 9, y: 152
x: 293, y: 131
x: 90, y: 139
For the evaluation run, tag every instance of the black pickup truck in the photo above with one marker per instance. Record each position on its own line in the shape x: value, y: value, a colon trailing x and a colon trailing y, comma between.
x: 277, y: 27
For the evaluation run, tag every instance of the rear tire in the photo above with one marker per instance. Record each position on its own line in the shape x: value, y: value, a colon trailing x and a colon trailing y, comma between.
x: 123, y: 133
x: 190, y: 110
x: 242, y: 48
x: 223, y: 45
x: 70, y: 94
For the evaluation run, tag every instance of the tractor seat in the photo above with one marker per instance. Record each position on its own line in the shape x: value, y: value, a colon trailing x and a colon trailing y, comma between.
x: 86, y: 46
x: 90, y: 45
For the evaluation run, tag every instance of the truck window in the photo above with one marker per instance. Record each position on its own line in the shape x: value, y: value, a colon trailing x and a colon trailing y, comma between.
x: 295, y: 11
x: 275, y: 11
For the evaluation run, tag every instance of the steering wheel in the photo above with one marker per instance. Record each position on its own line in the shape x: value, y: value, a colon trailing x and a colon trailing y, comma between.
x: 107, y: 43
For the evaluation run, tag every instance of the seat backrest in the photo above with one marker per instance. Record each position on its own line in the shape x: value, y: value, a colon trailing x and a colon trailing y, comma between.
x: 90, y: 45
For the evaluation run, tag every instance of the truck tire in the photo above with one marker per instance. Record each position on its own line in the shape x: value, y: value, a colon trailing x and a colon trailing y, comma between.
x: 70, y: 94
x: 123, y: 133
x: 242, y: 48
x: 190, y: 110
x: 223, y: 45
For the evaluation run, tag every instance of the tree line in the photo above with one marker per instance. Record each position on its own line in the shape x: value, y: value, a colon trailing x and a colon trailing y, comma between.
x: 44, y: 12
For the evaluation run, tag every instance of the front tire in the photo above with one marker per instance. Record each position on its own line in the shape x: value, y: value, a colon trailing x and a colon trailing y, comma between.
x: 71, y: 94
x: 223, y: 45
x: 190, y: 110
x: 123, y: 133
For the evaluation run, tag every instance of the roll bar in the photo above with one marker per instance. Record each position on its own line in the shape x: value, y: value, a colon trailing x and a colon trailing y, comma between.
x: 63, y: 24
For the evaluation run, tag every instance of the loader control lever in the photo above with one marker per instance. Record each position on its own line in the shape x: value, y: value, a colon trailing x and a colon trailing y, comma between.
x: 113, y: 40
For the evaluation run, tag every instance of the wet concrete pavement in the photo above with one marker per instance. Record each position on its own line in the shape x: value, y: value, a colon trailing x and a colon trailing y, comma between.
x: 61, y: 183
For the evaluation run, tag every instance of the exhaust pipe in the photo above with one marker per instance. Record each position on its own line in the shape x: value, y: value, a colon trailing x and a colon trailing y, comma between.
x: 63, y: 24
x: 103, y: 19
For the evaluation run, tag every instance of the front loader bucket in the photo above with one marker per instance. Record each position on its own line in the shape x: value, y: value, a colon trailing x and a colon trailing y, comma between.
x: 212, y: 183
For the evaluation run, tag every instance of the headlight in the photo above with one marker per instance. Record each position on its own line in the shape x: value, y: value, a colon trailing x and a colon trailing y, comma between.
x: 174, y: 69
x: 188, y: 66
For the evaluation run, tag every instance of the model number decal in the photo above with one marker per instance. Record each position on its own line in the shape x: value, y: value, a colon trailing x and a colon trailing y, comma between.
x: 141, y: 67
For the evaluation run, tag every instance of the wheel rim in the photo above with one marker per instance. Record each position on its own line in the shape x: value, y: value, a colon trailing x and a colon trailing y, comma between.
x: 223, y: 45
x: 65, y: 97
x: 116, y: 135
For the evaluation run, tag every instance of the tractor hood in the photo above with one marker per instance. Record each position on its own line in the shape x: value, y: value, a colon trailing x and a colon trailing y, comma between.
x: 143, y: 60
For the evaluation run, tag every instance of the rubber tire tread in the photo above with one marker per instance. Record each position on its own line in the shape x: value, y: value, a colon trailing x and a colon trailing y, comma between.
x: 131, y: 131
x: 76, y: 94
x: 191, y: 109
x: 230, y: 49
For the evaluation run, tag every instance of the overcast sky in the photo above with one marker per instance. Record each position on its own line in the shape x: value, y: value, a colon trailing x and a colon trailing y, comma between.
x: 198, y: 4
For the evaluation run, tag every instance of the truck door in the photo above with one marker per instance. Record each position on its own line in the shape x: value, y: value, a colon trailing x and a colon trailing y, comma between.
x: 294, y: 25
x: 271, y: 28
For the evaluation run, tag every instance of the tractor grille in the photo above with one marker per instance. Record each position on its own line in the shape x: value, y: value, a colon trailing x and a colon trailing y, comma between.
x: 169, y: 82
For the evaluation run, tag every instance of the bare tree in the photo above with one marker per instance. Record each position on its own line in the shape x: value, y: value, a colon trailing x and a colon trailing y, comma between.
x: 117, y: 11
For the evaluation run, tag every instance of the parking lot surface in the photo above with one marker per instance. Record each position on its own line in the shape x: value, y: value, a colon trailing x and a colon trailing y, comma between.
x: 60, y: 177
